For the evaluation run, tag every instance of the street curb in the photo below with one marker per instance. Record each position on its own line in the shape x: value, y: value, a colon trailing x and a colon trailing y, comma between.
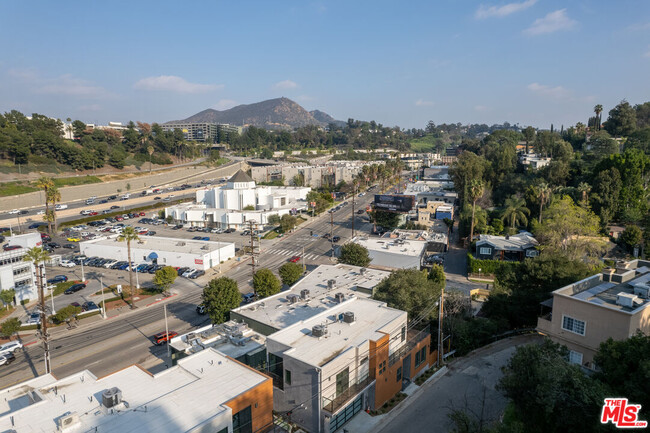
x: 161, y: 300
x: 30, y: 343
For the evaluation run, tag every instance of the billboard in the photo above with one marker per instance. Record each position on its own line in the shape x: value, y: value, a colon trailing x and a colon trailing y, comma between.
x: 396, y: 203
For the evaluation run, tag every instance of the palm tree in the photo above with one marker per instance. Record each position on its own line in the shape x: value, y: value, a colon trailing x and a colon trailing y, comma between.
x: 598, y: 109
x: 475, y: 192
x: 515, y: 212
x: 54, y: 196
x: 45, y: 183
x: 150, y: 150
x: 584, y: 189
x: 543, y: 195
x: 129, y: 234
x: 38, y: 256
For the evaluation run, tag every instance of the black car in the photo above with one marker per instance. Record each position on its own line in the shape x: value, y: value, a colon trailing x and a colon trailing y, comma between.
x: 70, y: 246
x: 24, y: 212
x: 360, y: 211
x: 230, y: 230
x: 113, y: 197
x: 336, y: 238
x: 53, y: 245
x: 74, y: 288
x: 181, y: 271
x: 7, y: 358
x: 89, y: 306
x: 197, y: 274
x: 115, y: 207
x: 103, y: 201
x: 150, y: 233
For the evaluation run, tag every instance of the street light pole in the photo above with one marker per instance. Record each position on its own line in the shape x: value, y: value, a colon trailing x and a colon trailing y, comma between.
x: 440, y: 314
x: 83, y: 278
x: 167, y: 330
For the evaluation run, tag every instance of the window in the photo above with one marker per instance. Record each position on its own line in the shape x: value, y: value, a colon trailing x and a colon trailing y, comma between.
x: 382, y: 367
x: 364, y: 360
x: 342, y: 381
x: 485, y: 250
x: 287, y: 377
x: 242, y: 421
x: 399, y: 374
x: 403, y: 333
x: 532, y: 253
x: 420, y: 356
x: 573, y: 325
x: 575, y: 357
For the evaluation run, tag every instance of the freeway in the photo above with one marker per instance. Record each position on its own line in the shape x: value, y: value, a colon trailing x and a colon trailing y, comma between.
x: 106, y: 346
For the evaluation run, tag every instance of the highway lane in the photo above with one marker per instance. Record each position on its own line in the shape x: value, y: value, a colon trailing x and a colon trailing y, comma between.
x: 106, y: 346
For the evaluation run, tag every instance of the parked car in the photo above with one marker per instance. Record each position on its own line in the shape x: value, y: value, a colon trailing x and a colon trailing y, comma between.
x: 230, y: 230
x: 150, y: 233
x: 73, y: 239
x: 53, y: 245
x: 201, y: 309
x: 187, y: 273
x: 89, y: 306
x: 336, y: 238
x: 248, y: 297
x: 163, y: 337
x: 196, y: 274
x: 67, y: 264
x: 181, y: 271
x: 74, y: 288
x: 10, y: 247
x: 70, y: 246
x: 34, y: 319
x: 57, y: 279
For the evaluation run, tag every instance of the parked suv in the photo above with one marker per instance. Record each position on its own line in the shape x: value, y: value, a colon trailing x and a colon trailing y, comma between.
x: 11, y: 347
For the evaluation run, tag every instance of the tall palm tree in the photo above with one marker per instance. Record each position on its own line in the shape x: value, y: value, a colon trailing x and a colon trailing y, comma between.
x: 543, y: 195
x: 129, y: 234
x: 584, y: 189
x: 54, y: 196
x: 598, y: 109
x: 38, y: 256
x: 476, y: 190
x: 515, y: 212
x: 45, y: 183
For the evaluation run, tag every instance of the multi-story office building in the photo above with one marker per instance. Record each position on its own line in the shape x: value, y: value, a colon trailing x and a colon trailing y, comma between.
x: 15, y: 272
x: 329, y: 174
x: 203, y: 132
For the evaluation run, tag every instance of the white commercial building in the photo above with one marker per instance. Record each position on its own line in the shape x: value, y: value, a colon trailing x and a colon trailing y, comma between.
x: 387, y: 253
x: 238, y: 202
x: 319, y: 291
x: 17, y: 274
x: 330, y: 173
x: 163, y: 251
x: 207, y: 392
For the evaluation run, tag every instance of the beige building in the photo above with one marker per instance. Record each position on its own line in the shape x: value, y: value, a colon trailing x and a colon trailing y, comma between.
x: 315, y: 176
x: 613, y: 304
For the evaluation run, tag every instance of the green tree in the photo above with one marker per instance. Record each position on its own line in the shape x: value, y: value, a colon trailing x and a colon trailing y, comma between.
x: 385, y: 219
x: 45, y: 183
x: 544, y: 194
x: 624, y: 367
x: 7, y: 296
x: 78, y: 127
x: 249, y: 207
x: 274, y: 219
x: 129, y: 235
x: 354, y: 254
x: 437, y: 275
x: 287, y: 223
x: 265, y: 283
x: 548, y: 393
x: 622, y: 120
x: 290, y: 273
x: 66, y: 313
x: 606, y: 192
x: 598, y: 109
x: 409, y: 290
x: 468, y: 167
x: 631, y: 237
x: 602, y: 144
x: 9, y: 327
x: 475, y: 191
x: 219, y: 297
x: 164, y: 278
x: 515, y: 212
x: 53, y: 196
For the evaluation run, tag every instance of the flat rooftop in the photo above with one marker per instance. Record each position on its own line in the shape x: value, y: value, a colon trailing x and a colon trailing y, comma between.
x: 405, y: 247
x: 597, y: 291
x: 371, y: 318
x: 276, y: 311
x: 177, y: 399
x: 229, y: 338
x: 156, y: 243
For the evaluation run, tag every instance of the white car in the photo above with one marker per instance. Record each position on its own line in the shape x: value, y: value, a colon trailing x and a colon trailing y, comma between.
x: 110, y: 263
x: 11, y: 347
x: 188, y: 273
x: 116, y: 230
x: 15, y: 211
x: 67, y: 264
x: 61, y: 206
x: 40, y: 212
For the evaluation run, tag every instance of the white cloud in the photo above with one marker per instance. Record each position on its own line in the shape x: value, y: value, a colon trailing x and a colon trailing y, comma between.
x: 481, y: 108
x: 551, y: 23
x: 224, y: 104
x: 172, y: 83
x: 285, y: 85
x: 484, y: 12
x: 422, y: 103
x: 65, y: 85
x: 557, y: 92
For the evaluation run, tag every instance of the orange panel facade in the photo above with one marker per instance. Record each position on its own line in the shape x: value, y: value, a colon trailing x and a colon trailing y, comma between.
x: 260, y: 399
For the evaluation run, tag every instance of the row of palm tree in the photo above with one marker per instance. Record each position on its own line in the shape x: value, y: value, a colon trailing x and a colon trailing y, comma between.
x: 383, y: 172
x: 52, y: 197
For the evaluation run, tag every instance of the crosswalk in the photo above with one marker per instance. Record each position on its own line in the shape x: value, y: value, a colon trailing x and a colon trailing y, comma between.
x: 289, y: 253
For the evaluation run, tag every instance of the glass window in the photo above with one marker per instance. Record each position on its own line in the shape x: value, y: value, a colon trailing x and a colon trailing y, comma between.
x: 573, y: 325
x: 484, y: 250
x: 399, y: 374
x: 575, y: 357
x: 403, y: 333
x: 287, y: 377
x: 242, y: 421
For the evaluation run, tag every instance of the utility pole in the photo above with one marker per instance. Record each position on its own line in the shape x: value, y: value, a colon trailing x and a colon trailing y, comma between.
x: 332, y: 232
x: 354, y: 193
x: 44, y: 334
x: 440, y: 315
x: 252, y: 226
x: 167, y: 331
x: 101, y: 285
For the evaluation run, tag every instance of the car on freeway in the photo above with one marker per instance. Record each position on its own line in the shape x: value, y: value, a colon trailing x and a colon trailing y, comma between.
x: 115, y: 207
x: 103, y: 201
x: 74, y: 288
x: 294, y: 259
x: 7, y: 359
x: 73, y: 239
x: 13, y: 212
x: 11, y: 347
x: 67, y: 264
x: 157, y: 197
x: 163, y: 337
x: 57, y: 279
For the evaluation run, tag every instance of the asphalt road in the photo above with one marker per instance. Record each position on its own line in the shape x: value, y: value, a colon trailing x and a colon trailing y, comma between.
x: 106, y: 346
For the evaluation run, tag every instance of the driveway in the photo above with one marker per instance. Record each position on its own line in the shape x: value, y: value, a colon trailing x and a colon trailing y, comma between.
x: 456, y: 266
x: 469, y: 385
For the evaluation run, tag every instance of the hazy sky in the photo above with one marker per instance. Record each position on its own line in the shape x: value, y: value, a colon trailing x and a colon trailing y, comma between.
x: 532, y: 62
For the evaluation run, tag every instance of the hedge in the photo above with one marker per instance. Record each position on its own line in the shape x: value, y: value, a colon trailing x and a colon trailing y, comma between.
x: 487, y: 267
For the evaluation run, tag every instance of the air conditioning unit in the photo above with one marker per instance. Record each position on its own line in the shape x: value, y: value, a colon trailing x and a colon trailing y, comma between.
x: 642, y: 291
x: 304, y: 294
x: 340, y: 297
x: 362, y: 271
x: 293, y: 298
x: 626, y: 299
x: 348, y: 317
x: 66, y: 423
x: 111, y: 397
x: 319, y: 330
x: 331, y: 284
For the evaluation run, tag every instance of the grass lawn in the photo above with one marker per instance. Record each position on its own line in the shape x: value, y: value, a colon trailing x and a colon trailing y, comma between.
x: 424, y: 144
x: 271, y: 235
x: 15, y: 188
x: 72, y: 181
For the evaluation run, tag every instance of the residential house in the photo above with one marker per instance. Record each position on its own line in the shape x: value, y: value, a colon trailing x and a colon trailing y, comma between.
x: 513, y: 248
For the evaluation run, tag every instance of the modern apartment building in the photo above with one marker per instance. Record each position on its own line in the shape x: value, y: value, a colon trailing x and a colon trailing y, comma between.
x: 613, y: 304
x: 17, y: 274
x: 203, y: 132
x: 315, y: 176
x: 205, y: 392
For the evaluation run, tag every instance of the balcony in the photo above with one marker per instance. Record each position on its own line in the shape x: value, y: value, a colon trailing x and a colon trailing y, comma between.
x: 341, y: 400
x: 544, y: 324
x: 413, y: 338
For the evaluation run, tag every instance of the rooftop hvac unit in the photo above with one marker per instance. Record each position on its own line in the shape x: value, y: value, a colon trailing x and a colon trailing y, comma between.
x: 293, y: 298
x: 319, y: 330
x: 304, y: 294
x: 111, y: 397
x: 340, y: 297
x: 348, y: 317
x: 331, y: 284
x: 626, y: 299
x: 642, y: 291
x: 67, y: 422
x: 362, y: 271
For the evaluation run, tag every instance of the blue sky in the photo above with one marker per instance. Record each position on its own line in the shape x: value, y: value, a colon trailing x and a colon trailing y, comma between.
x: 532, y: 62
